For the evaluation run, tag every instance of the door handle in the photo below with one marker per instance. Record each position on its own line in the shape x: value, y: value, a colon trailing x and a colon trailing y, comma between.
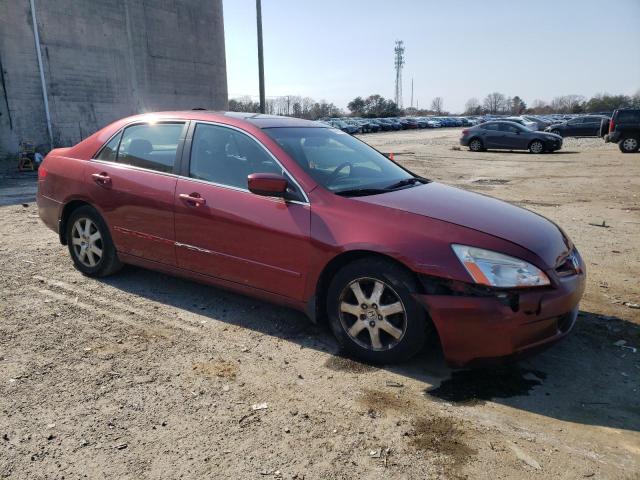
x: 193, y: 199
x: 102, y: 179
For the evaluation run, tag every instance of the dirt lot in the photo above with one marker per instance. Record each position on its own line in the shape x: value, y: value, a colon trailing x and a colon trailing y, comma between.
x: 147, y: 376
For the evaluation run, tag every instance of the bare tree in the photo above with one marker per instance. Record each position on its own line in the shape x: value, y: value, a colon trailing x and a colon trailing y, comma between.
x: 437, y: 104
x: 494, y: 103
x: 472, y: 107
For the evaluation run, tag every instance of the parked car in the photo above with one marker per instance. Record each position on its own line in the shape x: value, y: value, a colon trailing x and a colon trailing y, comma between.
x: 345, y: 127
x: 522, y: 121
x: 624, y: 129
x: 290, y: 211
x: 541, y: 123
x: 394, y: 124
x: 384, y: 126
x: 584, y: 126
x: 409, y: 122
x: 509, y: 136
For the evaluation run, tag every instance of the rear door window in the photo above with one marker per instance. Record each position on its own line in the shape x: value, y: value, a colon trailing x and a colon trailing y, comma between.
x: 505, y: 127
x: 490, y: 126
x: 150, y: 146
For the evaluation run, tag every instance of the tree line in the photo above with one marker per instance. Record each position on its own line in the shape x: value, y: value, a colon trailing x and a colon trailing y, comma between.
x: 376, y: 106
x: 288, y: 105
x: 498, y: 103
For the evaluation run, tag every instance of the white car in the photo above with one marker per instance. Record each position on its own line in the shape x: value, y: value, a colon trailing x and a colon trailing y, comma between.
x: 523, y: 121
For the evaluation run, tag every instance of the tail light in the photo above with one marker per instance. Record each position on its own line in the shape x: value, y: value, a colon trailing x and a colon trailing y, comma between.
x: 42, y: 172
x: 612, y: 126
x: 464, y: 132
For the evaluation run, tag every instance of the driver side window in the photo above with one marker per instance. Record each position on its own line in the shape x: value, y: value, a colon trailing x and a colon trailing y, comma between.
x: 227, y: 157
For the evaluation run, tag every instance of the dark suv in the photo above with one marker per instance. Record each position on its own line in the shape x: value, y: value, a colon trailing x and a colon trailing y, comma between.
x: 624, y: 129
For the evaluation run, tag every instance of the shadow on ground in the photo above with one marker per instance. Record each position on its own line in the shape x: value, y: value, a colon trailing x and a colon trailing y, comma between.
x: 584, y: 379
x: 17, y: 187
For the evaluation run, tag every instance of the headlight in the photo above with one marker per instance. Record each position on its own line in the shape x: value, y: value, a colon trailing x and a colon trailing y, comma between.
x: 498, y: 270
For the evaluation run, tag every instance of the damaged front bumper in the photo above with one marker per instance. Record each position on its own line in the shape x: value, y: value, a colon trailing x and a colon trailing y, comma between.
x: 478, y: 326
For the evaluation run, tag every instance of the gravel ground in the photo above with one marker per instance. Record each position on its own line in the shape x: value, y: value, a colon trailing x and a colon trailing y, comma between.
x: 142, y: 375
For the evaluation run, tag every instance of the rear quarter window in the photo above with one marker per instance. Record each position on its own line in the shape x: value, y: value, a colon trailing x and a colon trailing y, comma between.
x: 628, y: 117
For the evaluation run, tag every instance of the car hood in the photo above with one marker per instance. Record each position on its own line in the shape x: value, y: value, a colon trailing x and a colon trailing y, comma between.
x: 479, y: 212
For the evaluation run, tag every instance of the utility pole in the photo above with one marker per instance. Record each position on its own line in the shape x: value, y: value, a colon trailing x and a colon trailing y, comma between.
x: 411, y: 92
x: 399, y: 62
x: 260, y: 55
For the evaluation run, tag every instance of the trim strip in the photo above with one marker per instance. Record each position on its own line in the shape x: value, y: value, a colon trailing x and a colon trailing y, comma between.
x: 166, y: 241
x: 233, y: 257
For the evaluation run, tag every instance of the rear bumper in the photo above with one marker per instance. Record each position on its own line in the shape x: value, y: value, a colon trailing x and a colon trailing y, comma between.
x: 464, y: 142
x: 481, y: 330
x: 49, y: 211
x: 612, y: 137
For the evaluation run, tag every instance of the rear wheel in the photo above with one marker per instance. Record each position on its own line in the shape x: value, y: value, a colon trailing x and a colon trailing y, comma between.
x: 475, y: 145
x: 90, y: 244
x: 372, y: 312
x: 629, y: 145
x: 536, y: 146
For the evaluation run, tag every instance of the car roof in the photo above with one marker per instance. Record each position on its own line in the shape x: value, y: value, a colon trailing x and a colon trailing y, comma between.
x: 259, y: 120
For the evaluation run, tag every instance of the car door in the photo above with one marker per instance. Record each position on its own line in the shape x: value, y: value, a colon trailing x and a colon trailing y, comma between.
x: 510, y: 137
x: 590, y: 126
x: 573, y: 128
x: 132, y: 182
x: 225, y: 231
x: 491, y: 135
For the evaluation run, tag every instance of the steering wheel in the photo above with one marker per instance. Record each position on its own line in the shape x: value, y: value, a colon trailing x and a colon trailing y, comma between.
x: 334, y: 175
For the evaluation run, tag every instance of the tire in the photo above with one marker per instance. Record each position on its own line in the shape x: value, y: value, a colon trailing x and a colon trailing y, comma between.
x: 536, y: 146
x: 368, y: 333
x: 629, y: 145
x: 476, y: 145
x: 87, y: 232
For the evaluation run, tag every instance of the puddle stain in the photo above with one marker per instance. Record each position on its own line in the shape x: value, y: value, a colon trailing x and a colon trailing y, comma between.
x: 471, y: 387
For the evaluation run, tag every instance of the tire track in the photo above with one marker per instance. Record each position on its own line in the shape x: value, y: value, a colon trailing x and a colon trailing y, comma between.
x: 109, y: 305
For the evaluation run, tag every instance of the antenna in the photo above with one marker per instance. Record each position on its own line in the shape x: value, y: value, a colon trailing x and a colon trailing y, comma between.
x: 399, y: 62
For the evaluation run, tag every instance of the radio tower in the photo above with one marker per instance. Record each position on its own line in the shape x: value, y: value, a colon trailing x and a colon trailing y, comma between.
x: 399, y: 62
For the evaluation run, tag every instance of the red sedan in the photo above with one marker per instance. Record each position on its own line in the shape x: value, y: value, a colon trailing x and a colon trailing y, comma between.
x: 304, y: 215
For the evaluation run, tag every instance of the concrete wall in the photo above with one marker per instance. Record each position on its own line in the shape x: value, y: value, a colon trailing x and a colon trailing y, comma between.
x: 106, y: 59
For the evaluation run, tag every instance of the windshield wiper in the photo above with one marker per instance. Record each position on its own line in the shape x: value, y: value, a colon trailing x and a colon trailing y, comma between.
x: 404, y: 183
x: 358, y: 192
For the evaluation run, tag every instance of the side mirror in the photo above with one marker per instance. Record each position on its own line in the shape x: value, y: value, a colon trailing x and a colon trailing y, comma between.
x: 267, y: 184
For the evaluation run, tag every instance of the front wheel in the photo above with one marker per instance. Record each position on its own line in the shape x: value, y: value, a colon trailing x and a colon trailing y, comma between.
x: 629, y: 145
x: 372, y: 312
x: 90, y: 244
x: 536, y: 146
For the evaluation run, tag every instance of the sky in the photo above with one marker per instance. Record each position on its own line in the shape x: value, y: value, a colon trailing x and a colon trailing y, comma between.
x: 455, y: 49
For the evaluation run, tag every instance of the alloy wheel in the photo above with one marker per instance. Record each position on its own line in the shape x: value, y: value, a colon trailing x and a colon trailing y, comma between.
x: 372, y: 314
x: 87, y: 242
x: 475, y: 145
x: 536, y: 147
x: 630, y: 144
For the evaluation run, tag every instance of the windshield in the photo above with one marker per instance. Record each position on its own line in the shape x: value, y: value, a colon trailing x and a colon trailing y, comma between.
x: 338, y: 161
